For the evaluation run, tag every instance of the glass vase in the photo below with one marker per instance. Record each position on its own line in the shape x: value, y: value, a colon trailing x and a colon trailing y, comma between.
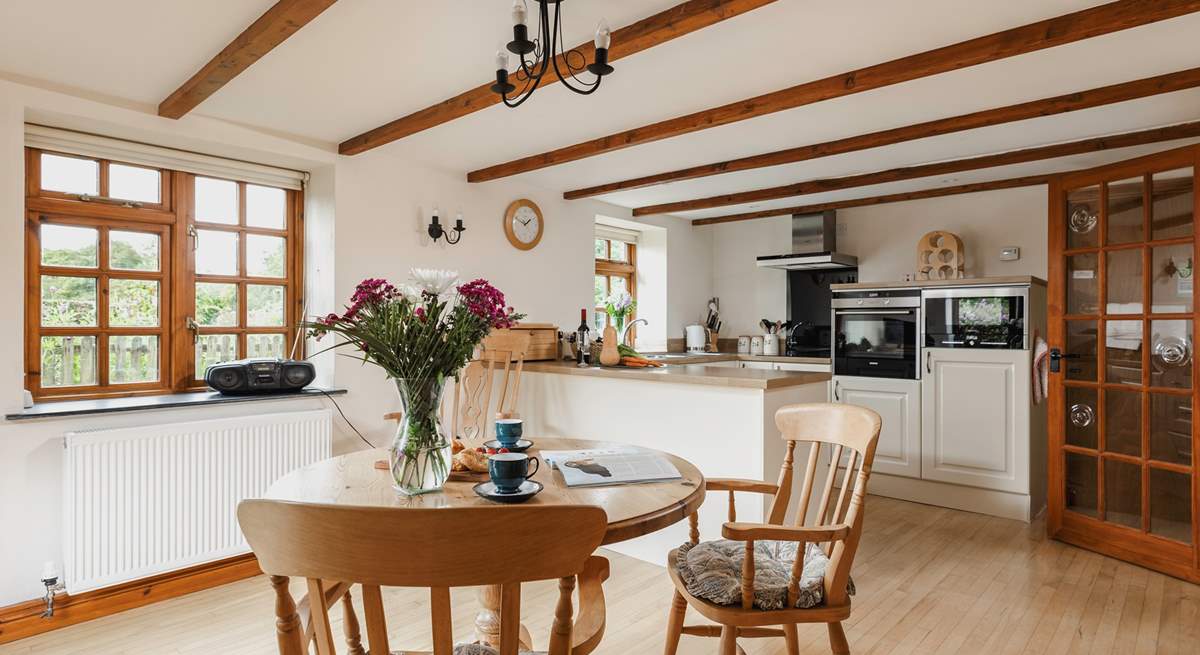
x: 420, y: 452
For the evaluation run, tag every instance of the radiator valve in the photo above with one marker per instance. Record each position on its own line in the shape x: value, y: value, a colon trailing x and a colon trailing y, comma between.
x: 53, y: 586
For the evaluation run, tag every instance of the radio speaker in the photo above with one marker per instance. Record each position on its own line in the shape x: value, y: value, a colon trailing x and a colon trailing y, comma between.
x: 260, y: 376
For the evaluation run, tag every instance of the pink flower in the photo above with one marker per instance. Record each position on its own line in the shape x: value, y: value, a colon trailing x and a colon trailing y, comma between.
x: 487, y: 302
x: 372, y: 291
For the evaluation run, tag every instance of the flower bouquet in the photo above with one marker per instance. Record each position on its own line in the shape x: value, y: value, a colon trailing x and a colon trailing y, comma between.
x: 620, y: 306
x: 420, y: 334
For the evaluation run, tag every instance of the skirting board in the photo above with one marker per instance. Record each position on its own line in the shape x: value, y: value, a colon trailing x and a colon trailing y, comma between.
x: 941, y: 494
x: 24, y: 619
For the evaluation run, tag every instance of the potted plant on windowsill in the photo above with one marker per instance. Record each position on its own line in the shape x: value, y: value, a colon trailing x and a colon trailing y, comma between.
x: 420, y: 334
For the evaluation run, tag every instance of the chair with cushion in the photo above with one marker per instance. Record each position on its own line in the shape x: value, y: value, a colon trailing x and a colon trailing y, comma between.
x: 754, y: 578
x: 337, y: 548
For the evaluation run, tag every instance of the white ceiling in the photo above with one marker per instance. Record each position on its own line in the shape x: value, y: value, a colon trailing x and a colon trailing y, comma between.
x: 365, y: 62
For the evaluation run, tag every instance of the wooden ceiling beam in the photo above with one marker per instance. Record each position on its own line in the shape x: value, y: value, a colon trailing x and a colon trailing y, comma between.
x: 282, y: 20
x: 1122, y: 92
x: 1068, y: 28
x: 936, y: 192
x: 1039, y: 153
x: 664, y: 26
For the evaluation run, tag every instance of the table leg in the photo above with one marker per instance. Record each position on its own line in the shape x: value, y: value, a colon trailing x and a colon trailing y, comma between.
x: 487, y: 622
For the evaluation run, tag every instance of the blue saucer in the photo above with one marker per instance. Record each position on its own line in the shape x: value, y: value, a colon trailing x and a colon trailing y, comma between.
x: 527, y: 490
x: 521, y: 446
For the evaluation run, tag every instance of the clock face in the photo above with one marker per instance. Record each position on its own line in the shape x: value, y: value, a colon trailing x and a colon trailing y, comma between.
x: 525, y: 224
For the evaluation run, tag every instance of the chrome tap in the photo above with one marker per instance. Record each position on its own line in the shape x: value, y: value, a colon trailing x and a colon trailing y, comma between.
x: 625, y: 334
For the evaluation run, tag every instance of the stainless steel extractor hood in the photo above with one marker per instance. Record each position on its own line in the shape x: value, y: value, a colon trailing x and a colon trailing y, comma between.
x: 814, y: 246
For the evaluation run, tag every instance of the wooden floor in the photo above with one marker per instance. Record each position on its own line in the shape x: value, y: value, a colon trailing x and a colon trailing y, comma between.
x: 929, y: 580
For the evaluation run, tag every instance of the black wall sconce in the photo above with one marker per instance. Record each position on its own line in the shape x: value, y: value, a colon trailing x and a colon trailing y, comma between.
x: 436, y: 231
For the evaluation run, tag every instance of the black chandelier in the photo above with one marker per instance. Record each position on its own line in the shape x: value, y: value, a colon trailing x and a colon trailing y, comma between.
x: 547, y: 51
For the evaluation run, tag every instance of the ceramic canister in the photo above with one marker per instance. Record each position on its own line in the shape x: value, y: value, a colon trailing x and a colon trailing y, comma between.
x: 744, y: 345
x: 756, y: 345
x: 770, y: 344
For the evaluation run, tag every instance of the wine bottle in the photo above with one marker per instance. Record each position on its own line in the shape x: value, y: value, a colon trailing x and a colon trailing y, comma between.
x: 582, y: 343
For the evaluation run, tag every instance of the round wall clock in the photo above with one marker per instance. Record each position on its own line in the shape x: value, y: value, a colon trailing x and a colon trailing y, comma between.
x: 523, y: 224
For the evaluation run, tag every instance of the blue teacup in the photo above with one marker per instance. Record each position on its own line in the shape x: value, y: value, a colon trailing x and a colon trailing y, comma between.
x: 508, y: 431
x: 509, y: 470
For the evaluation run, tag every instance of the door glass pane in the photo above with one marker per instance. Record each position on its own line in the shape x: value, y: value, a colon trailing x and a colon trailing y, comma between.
x: 132, y: 303
x: 620, y: 252
x: 68, y: 245
x: 1126, y: 220
x: 264, y: 345
x: 216, y: 304
x: 1122, y: 493
x: 1172, y: 281
x: 1171, y: 428
x: 1082, y: 489
x: 133, y: 251
x: 216, y: 201
x: 266, y: 207
x: 1081, y: 341
x: 265, y: 256
x: 1171, y: 505
x: 1123, y: 352
x: 1081, y: 417
x: 1083, y: 284
x: 1171, y: 354
x: 70, y: 175
x: 132, y: 359
x: 601, y: 249
x: 1083, y: 217
x: 264, y: 305
x: 1123, y: 422
x: 68, y: 361
x: 1173, y: 206
x: 1123, y: 275
x: 216, y: 253
x: 68, y: 301
x: 134, y: 183
x: 214, y: 349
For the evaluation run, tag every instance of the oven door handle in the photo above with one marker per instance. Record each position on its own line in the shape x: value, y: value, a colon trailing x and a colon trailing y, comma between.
x: 860, y: 312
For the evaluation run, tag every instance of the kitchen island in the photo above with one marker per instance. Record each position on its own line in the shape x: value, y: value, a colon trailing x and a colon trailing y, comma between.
x: 721, y: 419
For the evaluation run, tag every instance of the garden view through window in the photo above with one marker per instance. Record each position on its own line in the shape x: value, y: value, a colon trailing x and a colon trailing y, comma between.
x: 616, y: 271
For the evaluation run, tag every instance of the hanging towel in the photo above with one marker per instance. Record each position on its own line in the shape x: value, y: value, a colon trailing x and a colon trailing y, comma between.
x: 1041, y: 372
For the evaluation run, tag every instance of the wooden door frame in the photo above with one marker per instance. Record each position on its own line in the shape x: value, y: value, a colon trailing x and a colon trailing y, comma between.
x: 1147, y: 549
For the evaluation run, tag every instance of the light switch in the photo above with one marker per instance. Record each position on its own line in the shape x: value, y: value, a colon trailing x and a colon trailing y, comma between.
x: 1010, y: 253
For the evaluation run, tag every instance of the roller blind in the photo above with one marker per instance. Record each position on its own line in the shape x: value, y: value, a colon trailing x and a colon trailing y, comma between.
x: 617, y: 233
x: 91, y: 145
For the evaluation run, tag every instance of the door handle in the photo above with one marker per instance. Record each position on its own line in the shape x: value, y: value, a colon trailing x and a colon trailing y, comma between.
x: 836, y: 397
x: 1056, y: 357
x: 928, y: 366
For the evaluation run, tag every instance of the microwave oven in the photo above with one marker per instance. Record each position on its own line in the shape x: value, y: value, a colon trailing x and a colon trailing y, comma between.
x: 976, y: 317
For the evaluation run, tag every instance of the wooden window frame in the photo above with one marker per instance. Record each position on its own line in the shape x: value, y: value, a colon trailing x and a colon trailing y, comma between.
x: 608, y: 267
x: 174, y: 221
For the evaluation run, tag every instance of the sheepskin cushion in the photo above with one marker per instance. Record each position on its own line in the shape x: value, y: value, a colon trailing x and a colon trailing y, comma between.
x: 480, y: 649
x: 712, y: 570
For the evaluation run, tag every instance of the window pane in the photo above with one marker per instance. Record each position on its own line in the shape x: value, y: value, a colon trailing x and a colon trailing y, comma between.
x: 1082, y: 487
x: 1123, y: 422
x: 1172, y: 204
x: 68, y: 361
x: 601, y: 290
x: 264, y: 305
x: 266, y: 207
x: 1081, y: 417
x: 617, y: 285
x: 1082, y: 214
x: 601, y: 249
x: 216, y: 201
x: 1081, y: 341
x: 70, y: 174
x: 1171, y: 354
x: 1123, y: 352
x: 216, y: 253
x: 132, y: 303
x: 1122, y: 493
x: 1126, y: 220
x: 1083, y: 284
x: 68, y: 301
x: 599, y: 318
x: 1124, y: 277
x: 134, y: 183
x: 264, y: 256
x: 620, y: 252
x: 1171, y: 275
x: 132, y: 359
x: 67, y: 245
x: 1171, y: 428
x: 264, y: 345
x: 133, y: 251
x: 1171, y: 505
x: 214, y: 349
x: 216, y: 304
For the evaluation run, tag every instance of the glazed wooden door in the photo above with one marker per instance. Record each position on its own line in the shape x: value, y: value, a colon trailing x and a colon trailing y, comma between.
x: 1122, y: 312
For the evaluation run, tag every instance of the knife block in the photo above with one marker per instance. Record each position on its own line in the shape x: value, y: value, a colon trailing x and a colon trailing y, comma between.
x: 710, y: 340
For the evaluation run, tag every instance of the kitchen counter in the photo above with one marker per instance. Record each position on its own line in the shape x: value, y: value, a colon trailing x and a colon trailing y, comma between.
x: 680, y: 372
x: 1009, y: 280
x: 708, y: 358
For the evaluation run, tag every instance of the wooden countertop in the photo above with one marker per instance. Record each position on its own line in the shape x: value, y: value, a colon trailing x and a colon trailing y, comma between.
x: 1010, y: 280
x: 718, y: 376
x: 708, y: 358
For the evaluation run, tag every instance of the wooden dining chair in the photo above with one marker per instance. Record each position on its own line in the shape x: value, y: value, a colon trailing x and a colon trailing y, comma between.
x: 503, y: 351
x: 834, y: 521
x: 336, y: 548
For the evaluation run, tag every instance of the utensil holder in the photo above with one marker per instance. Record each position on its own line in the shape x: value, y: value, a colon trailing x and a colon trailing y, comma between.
x: 710, y: 340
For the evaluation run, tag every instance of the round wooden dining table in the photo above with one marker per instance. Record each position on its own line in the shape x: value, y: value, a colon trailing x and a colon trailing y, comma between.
x: 633, y: 509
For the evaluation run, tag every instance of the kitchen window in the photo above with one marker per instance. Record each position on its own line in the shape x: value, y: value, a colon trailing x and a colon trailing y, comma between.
x: 616, y: 271
x: 139, y: 277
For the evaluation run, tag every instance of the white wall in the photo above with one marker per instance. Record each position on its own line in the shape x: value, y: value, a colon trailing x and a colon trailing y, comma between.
x: 884, y: 238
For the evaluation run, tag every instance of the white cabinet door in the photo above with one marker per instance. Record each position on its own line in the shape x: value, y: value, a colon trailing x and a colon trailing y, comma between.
x: 729, y: 364
x: 898, y: 403
x: 764, y: 366
x: 975, y: 413
x: 808, y: 368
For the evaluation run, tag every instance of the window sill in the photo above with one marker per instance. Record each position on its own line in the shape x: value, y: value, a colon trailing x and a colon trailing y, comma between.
x: 73, y: 408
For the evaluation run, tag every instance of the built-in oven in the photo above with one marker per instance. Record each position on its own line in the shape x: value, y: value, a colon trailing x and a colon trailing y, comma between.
x: 977, y: 317
x: 876, y: 333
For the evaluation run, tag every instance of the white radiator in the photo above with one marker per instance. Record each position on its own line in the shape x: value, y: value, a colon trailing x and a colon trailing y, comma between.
x: 145, y: 500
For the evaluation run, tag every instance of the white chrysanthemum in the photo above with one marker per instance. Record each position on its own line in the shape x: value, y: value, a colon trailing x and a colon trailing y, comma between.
x: 434, y: 281
x: 410, y: 291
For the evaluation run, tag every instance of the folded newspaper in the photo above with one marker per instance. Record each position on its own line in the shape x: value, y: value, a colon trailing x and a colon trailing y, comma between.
x: 619, y: 465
